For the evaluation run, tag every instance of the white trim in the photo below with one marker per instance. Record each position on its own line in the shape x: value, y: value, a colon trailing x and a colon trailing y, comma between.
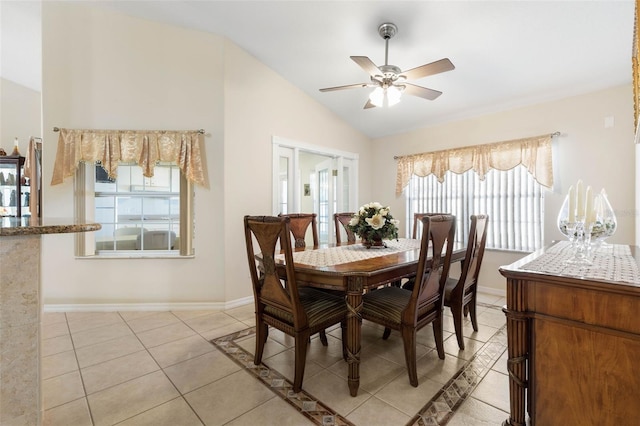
x: 144, y: 307
x: 316, y: 149
x: 279, y: 143
x: 492, y: 291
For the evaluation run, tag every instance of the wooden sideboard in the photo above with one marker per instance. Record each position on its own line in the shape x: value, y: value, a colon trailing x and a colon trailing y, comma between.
x: 573, y: 345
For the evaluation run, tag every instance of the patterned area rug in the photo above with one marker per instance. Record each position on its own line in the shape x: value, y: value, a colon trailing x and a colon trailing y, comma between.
x: 436, y: 412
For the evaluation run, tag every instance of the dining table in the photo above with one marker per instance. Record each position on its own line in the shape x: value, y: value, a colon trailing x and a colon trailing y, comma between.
x: 352, y: 269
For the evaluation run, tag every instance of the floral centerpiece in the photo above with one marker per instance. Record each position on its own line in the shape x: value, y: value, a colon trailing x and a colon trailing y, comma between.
x: 373, y: 223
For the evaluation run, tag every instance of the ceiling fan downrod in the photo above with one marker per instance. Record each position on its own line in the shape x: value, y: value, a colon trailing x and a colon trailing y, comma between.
x: 386, y: 31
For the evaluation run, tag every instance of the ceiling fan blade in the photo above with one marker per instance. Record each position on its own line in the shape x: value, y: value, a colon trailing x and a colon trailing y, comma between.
x: 423, y: 92
x: 429, y: 69
x: 348, y: 86
x: 369, y: 104
x: 367, y: 65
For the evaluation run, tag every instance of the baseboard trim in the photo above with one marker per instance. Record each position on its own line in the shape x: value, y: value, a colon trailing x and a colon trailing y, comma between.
x: 196, y: 306
x: 143, y: 307
x: 492, y: 291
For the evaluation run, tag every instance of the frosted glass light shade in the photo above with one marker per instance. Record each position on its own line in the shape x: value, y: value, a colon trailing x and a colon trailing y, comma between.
x: 385, y: 97
x: 377, y: 96
x: 393, y: 95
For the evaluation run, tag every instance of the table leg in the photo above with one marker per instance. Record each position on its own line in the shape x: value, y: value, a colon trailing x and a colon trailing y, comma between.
x: 354, y: 329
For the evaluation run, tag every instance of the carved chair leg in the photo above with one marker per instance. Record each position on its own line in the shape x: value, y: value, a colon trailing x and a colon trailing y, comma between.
x: 457, y: 312
x: 386, y: 333
x: 262, y: 332
x: 302, y: 343
x: 472, y: 312
x: 409, y: 340
x: 437, y: 332
x: 323, y: 338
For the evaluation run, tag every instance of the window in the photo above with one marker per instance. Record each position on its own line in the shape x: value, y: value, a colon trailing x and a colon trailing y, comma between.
x: 513, y: 200
x: 139, y: 215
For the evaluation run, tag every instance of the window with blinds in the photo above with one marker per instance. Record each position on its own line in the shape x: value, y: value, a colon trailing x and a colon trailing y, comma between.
x: 513, y: 200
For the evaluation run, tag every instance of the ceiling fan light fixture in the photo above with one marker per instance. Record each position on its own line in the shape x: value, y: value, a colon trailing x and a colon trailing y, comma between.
x: 389, y: 81
x: 388, y: 96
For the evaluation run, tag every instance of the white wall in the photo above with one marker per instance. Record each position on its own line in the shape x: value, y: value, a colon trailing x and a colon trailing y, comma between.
x: 19, y: 115
x: 601, y: 157
x: 259, y: 104
x: 104, y: 70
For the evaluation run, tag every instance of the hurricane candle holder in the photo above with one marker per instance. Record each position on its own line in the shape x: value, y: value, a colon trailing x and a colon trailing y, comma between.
x: 605, y: 222
x: 576, y: 230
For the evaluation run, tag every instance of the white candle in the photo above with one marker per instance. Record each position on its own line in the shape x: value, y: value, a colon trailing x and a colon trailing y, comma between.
x: 572, y: 205
x: 580, y: 201
x: 589, y: 212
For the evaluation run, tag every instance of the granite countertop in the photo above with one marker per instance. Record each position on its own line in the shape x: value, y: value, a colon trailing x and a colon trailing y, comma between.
x: 16, y: 226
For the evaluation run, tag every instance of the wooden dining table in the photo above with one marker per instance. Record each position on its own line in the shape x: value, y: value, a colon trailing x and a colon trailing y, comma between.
x: 352, y: 269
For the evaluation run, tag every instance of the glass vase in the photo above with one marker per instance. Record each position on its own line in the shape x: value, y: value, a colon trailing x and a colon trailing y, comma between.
x: 578, y: 233
x: 605, y: 223
x: 374, y: 241
x: 568, y: 229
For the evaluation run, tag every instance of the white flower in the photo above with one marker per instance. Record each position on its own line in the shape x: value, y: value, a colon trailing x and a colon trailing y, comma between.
x: 354, y: 221
x: 376, y: 205
x: 376, y: 222
x: 384, y: 212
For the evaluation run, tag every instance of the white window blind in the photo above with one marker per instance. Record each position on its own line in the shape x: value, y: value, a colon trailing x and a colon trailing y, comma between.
x: 513, y: 199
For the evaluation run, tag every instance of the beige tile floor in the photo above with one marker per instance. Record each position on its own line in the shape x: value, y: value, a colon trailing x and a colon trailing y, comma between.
x: 160, y: 368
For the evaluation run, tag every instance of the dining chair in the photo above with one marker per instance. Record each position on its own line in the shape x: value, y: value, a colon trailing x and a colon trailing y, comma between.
x: 408, y: 311
x: 460, y: 293
x: 417, y: 221
x: 300, y: 223
x: 417, y: 217
x: 297, y: 311
x: 341, y: 221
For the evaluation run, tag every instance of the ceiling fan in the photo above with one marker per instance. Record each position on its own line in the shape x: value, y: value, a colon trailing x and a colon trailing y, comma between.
x: 389, y: 81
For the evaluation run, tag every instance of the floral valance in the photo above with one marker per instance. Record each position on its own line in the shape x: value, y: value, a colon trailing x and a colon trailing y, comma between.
x: 143, y: 147
x: 534, y: 153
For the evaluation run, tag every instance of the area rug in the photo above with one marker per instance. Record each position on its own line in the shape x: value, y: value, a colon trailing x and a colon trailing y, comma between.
x: 436, y: 412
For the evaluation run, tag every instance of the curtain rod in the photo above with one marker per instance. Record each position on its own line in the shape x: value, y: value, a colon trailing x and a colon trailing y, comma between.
x: 201, y: 131
x: 395, y: 157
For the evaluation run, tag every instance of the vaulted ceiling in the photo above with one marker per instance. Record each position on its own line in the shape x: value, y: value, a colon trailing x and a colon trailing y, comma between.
x: 506, y: 53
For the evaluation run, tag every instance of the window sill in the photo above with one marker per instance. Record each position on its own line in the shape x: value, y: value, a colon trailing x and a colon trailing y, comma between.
x: 154, y: 255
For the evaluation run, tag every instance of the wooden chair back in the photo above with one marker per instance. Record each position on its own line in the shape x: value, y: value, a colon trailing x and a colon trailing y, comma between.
x: 417, y: 221
x: 473, y: 256
x: 428, y: 292
x: 460, y: 293
x: 268, y: 288
x: 341, y: 221
x: 299, y: 225
x: 297, y: 311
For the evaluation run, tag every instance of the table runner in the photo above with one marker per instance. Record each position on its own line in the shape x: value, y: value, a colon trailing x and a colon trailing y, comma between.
x: 610, y: 262
x: 351, y: 253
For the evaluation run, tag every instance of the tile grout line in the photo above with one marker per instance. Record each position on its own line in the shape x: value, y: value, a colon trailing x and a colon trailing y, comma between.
x: 309, y: 406
x: 437, y: 412
x: 443, y: 405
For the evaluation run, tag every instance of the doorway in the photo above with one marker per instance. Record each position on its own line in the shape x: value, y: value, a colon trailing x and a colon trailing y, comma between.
x: 314, y: 179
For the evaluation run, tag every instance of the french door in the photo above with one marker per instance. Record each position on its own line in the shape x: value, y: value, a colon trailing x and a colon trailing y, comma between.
x: 314, y: 179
